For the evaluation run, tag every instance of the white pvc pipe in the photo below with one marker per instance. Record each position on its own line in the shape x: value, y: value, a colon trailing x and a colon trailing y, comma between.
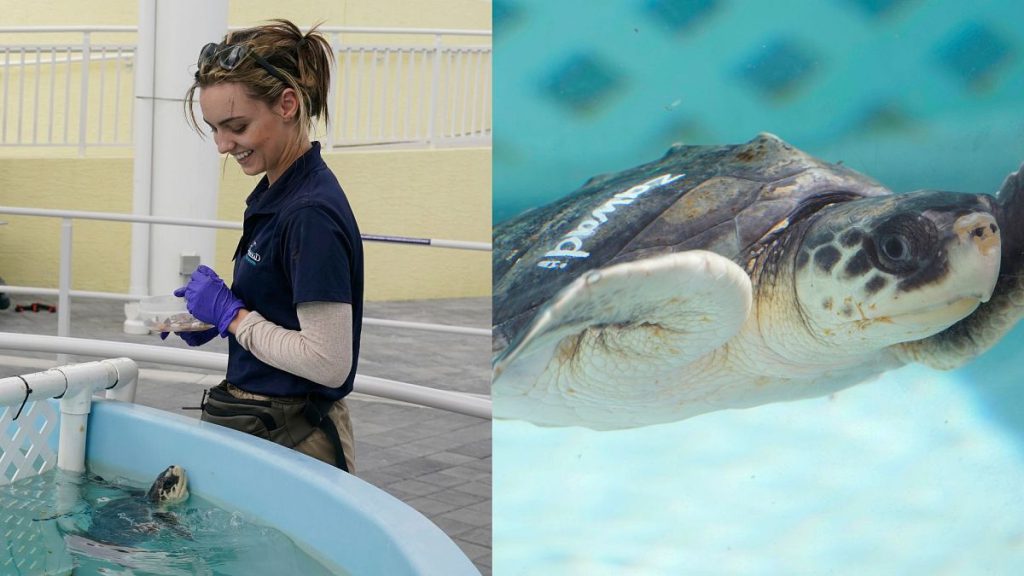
x: 73, y: 430
x: 412, y: 393
x: 83, y: 380
x: 127, y: 382
x: 43, y: 385
x: 75, y: 384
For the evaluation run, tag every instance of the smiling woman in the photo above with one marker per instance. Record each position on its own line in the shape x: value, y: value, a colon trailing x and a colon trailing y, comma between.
x: 251, y: 131
x: 294, y: 311
x: 250, y: 104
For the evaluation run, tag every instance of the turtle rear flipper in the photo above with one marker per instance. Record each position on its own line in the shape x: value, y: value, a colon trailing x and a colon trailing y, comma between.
x: 605, y: 351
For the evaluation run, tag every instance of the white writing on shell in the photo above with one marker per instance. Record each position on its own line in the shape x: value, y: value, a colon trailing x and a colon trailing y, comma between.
x: 571, y: 245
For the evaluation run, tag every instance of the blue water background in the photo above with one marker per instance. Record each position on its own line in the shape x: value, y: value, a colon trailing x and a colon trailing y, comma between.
x: 919, y: 472
x: 918, y: 95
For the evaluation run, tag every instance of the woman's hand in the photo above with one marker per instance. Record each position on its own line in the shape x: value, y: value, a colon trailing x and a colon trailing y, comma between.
x: 210, y: 300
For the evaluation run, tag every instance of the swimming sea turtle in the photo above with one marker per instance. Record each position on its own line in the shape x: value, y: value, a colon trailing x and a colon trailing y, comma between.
x: 134, y: 516
x: 732, y: 276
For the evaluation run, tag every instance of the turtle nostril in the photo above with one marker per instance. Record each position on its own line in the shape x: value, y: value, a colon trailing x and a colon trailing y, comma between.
x: 977, y: 225
x: 980, y: 230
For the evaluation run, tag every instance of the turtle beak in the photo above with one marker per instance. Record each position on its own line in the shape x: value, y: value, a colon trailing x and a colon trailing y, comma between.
x: 170, y: 487
x: 176, y: 484
x: 978, y: 249
x: 184, y: 479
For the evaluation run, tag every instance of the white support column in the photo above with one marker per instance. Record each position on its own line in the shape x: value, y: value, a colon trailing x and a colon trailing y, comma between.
x: 142, y: 169
x: 177, y: 172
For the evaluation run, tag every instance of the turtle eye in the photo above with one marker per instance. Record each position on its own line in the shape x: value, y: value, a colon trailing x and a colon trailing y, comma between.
x: 895, y: 248
x: 901, y: 243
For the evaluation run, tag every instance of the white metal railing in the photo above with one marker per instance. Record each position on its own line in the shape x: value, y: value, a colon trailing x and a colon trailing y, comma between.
x: 428, y: 92
x: 64, y: 292
x: 459, y: 402
x: 73, y: 87
x: 68, y: 89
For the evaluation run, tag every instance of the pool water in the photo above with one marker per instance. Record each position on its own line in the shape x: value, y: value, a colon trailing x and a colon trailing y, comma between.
x: 914, y: 94
x: 58, y: 521
x: 910, y: 474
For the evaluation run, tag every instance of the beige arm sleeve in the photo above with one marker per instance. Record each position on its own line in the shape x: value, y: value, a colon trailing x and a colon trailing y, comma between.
x: 320, y: 350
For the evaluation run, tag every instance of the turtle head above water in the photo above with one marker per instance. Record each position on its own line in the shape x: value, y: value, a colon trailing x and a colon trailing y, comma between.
x: 897, y: 268
x: 170, y: 487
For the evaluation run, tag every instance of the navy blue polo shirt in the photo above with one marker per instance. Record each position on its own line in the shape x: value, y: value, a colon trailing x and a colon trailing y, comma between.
x: 300, y: 243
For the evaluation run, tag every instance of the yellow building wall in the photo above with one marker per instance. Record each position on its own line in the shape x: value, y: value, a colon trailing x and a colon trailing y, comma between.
x: 442, y: 193
x: 422, y: 193
x: 30, y: 246
x: 467, y: 14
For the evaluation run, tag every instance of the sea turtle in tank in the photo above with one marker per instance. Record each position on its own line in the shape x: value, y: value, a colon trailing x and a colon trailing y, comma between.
x: 132, y: 516
x: 733, y: 276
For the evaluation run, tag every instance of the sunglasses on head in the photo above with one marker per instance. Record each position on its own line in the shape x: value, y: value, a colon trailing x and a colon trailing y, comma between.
x: 229, y: 57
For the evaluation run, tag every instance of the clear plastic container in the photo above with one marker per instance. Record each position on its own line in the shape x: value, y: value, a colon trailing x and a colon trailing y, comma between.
x: 169, y: 314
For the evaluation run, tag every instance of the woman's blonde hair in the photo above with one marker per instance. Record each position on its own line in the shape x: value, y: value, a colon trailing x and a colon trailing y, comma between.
x: 302, y: 60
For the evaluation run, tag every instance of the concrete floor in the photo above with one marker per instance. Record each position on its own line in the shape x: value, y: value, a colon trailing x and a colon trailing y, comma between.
x: 437, y: 462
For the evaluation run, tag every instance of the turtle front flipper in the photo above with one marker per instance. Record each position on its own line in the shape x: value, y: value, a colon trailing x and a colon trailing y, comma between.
x: 992, y: 320
x: 606, y: 350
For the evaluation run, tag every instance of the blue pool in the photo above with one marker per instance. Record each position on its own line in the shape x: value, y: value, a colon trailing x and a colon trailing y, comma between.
x: 335, y: 517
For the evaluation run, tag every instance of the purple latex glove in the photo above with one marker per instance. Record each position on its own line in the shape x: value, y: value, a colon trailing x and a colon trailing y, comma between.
x: 194, y: 338
x: 210, y: 300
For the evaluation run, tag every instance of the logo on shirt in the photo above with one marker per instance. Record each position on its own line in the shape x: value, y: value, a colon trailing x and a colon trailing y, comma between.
x: 252, y: 255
